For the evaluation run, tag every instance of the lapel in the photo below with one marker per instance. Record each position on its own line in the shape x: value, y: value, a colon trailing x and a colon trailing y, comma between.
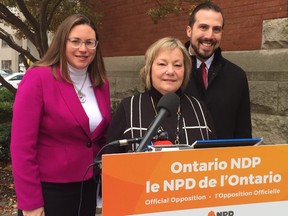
x: 196, y: 77
x: 216, y: 66
x: 103, y: 100
x: 70, y: 98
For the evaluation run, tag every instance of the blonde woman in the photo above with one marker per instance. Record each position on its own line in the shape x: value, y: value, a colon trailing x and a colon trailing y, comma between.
x: 167, y: 69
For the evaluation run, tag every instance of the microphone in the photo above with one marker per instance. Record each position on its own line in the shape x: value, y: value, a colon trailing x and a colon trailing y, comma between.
x: 125, y: 142
x: 167, y: 105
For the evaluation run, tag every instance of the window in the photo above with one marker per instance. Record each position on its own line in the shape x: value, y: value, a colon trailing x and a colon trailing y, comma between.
x: 4, y: 44
x: 6, y: 64
x: 17, y: 77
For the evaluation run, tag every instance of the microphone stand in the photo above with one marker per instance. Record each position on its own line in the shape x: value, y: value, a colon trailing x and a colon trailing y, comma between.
x: 167, y: 104
x: 151, y: 130
x: 98, y: 157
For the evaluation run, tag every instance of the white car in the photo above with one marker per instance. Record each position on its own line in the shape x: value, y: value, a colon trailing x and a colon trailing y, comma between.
x: 3, y: 73
x: 14, y: 79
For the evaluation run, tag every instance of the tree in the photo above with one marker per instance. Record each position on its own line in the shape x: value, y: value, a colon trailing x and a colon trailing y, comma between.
x: 34, y: 19
x: 165, y: 7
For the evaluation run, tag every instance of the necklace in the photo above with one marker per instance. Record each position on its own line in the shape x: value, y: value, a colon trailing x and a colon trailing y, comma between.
x: 81, y: 95
x: 177, y: 133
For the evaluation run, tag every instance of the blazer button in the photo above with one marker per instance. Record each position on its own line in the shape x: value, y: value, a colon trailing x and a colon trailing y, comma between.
x: 89, y: 144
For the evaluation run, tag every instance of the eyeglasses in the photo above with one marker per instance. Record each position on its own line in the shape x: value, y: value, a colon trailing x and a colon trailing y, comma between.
x: 77, y: 43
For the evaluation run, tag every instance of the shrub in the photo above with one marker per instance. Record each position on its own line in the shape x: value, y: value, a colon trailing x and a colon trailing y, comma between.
x: 6, y: 95
x: 114, y: 105
x: 6, y: 103
x: 5, y: 132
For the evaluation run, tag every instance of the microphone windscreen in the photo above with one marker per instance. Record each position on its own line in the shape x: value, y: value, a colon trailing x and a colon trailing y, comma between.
x: 170, y: 102
x: 162, y: 143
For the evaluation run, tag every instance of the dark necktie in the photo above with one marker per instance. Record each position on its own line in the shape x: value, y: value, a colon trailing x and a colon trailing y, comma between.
x: 204, y: 73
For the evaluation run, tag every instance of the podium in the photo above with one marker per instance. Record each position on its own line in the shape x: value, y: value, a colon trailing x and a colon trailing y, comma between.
x: 250, y: 180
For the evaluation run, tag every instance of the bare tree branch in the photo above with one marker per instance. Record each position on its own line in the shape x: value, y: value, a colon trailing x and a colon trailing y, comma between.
x: 43, y: 24
x: 9, y: 40
x: 28, y: 16
x: 24, y: 60
x: 53, y: 10
x: 10, y: 18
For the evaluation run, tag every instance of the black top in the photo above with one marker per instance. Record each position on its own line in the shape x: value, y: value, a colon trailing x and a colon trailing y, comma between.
x: 135, y: 114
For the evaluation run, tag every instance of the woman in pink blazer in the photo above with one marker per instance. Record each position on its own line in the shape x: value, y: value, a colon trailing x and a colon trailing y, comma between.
x: 60, y: 117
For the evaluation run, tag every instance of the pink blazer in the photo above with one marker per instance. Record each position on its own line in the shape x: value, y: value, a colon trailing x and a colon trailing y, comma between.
x: 51, y: 139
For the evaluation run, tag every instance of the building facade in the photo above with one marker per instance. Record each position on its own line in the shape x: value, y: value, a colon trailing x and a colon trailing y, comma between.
x: 127, y: 30
x: 9, y: 58
x: 255, y: 37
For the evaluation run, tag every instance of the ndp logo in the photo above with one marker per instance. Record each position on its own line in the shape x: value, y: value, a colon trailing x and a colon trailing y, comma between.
x: 223, y: 213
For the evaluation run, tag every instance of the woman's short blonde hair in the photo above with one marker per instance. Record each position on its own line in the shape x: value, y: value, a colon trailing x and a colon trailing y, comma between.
x: 153, y: 51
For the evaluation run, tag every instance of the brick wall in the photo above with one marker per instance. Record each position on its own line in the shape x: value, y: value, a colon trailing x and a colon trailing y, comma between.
x: 127, y: 30
x: 243, y: 21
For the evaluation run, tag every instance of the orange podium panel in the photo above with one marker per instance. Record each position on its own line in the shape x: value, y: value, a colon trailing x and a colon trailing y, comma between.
x: 206, y: 182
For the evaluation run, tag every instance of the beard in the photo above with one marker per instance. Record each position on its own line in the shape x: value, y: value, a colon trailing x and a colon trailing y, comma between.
x: 202, y: 55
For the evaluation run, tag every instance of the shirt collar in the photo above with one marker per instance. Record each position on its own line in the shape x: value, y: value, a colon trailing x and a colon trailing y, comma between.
x: 208, y: 62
